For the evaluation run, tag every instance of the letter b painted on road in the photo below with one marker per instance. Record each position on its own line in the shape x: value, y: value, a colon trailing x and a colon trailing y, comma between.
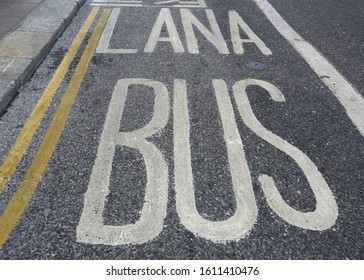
x: 91, y: 228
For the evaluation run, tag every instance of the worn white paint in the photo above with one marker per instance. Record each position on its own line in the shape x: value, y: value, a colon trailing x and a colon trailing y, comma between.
x: 245, y: 215
x: 164, y: 17
x: 191, y: 4
x: 117, y: 3
x: 215, y: 37
x: 104, y: 42
x: 190, y: 23
x: 165, y: 2
x: 157, y: 4
x: 235, y: 22
x: 326, y: 211
x: 91, y: 228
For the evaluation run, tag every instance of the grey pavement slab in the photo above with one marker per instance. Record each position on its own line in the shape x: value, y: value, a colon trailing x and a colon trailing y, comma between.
x: 14, y: 66
x: 43, y: 24
x: 7, y: 24
x: 21, y: 10
x: 25, y: 44
x: 13, y: 13
x: 4, y: 7
x: 28, y: 29
x: 64, y: 9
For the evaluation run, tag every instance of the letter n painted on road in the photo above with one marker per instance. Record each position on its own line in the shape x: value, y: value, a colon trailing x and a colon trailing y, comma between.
x: 91, y: 228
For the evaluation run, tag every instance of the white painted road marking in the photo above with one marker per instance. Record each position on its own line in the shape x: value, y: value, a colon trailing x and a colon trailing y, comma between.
x: 164, y: 18
x: 117, y: 3
x: 91, y: 228
x: 235, y: 22
x: 246, y: 212
x: 349, y: 98
x: 166, y: 2
x: 190, y: 23
x: 103, y: 45
x: 158, y: 4
x: 215, y: 37
x: 326, y: 211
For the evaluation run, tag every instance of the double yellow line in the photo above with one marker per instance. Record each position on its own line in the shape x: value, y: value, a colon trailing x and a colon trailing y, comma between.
x: 22, y: 196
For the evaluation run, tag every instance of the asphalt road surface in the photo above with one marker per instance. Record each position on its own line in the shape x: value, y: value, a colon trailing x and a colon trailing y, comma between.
x: 191, y: 130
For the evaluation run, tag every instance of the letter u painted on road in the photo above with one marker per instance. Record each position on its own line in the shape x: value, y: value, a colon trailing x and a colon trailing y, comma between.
x: 246, y: 210
x: 91, y: 228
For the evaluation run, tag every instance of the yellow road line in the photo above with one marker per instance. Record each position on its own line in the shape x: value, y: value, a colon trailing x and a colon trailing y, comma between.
x: 22, y: 142
x: 21, y: 198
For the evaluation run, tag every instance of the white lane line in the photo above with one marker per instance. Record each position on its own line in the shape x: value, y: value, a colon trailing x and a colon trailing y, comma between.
x: 326, y: 212
x: 165, y: 2
x: 350, y: 98
x: 115, y: 5
x: 138, y: 3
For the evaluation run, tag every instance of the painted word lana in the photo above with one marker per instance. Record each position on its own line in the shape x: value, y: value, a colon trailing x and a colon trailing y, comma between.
x: 189, y: 23
x: 91, y: 228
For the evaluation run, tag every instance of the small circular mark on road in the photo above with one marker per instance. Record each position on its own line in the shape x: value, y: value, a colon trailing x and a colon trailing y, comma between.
x: 256, y: 65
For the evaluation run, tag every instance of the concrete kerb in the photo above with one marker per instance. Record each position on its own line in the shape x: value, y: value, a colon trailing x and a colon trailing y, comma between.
x: 25, y: 48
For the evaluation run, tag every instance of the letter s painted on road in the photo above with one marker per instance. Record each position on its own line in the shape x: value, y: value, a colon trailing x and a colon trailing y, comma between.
x: 326, y: 211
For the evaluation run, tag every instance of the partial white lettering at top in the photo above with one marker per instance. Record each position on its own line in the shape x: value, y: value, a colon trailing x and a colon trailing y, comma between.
x: 191, y: 24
